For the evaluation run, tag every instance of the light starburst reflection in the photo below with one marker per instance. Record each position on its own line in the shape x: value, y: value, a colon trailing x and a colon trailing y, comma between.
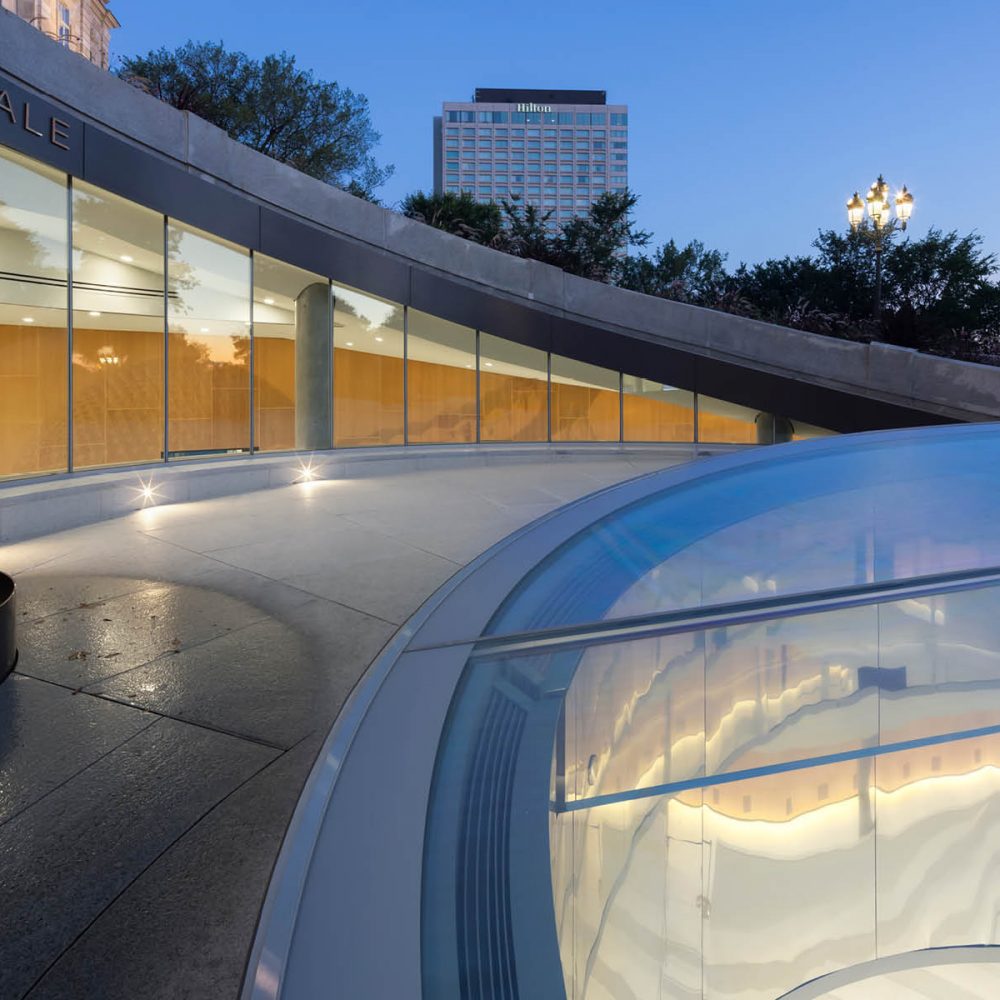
x: 307, y: 472
x: 148, y: 492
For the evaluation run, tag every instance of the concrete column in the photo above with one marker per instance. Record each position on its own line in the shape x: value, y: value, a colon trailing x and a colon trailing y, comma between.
x: 772, y: 429
x: 313, y: 369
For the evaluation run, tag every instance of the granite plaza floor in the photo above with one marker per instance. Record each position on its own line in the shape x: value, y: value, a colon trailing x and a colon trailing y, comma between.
x: 180, y: 668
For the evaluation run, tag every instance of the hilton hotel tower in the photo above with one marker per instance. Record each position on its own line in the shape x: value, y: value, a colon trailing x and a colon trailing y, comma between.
x: 558, y: 149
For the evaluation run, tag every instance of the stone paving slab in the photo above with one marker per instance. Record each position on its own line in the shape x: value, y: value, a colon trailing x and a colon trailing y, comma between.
x: 263, y: 682
x: 34, y: 761
x: 64, y: 859
x: 100, y: 639
x: 182, y: 929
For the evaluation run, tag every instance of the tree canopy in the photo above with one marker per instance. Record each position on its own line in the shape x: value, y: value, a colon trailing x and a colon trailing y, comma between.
x: 592, y: 245
x: 940, y: 292
x: 270, y: 105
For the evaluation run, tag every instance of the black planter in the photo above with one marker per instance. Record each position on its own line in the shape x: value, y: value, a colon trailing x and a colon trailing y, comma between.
x: 8, y: 626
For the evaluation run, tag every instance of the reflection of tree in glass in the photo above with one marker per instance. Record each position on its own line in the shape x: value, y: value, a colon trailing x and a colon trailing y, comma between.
x: 25, y: 256
x: 374, y: 313
x: 241, y: 349
x: 185, y: 353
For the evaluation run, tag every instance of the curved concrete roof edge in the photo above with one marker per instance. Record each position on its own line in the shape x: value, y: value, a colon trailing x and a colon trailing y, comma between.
x: 945, y: 387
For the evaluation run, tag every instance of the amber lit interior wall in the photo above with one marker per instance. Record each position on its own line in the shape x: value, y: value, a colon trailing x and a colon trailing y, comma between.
x: 34, y: 266
x: 725, y: 423
x: 441, y: 381
x: 655, y: 412
x: 274, y: 393
x: 513, y: 391
x: 117, y: 397
x: 585, y: 402
x: 806, y: 432
x: 33, y: 424
x: 367, y: 369
x: 209, y: 344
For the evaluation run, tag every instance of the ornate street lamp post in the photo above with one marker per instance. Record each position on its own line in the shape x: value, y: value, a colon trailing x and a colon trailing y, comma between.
x: 880, y: 211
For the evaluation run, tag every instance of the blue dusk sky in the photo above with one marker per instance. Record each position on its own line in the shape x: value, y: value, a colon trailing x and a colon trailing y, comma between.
x: 750, y: 123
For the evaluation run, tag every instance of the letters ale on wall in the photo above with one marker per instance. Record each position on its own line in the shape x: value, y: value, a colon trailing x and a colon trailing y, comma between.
x: 39, y: 129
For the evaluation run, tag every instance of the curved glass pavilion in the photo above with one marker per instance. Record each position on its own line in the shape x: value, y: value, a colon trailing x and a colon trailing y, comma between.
x: 720, y: 732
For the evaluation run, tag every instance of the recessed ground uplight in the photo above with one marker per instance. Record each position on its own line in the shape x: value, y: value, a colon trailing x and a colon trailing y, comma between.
x: 125, y: 258
x: 306, y: 472
x: 148, y: 493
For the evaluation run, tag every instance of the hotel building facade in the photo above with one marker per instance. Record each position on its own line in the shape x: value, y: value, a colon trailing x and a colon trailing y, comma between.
x: 557, y: 149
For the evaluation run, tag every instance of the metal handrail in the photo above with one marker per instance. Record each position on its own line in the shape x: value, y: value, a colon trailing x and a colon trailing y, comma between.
x: 725, y: 615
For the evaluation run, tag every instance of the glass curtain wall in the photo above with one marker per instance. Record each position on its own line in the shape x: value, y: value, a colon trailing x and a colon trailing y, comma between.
x: 585, y: 402
x: 117, y: 330
x: 652, y: 411
x: 513, y: 391
x: 368, y: 357
x: 441, y: 380
x: 33, y: 329
x: 720, y: 422
x: 209, y: 344
x: 396, y: 375
x: 291, y: 337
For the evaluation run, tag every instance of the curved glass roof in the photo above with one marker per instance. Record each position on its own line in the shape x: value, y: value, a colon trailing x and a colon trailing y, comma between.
x: 816, y: 516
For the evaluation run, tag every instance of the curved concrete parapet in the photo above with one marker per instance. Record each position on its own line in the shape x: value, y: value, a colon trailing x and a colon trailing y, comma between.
x: 653, y: 743
x: 8, y: 625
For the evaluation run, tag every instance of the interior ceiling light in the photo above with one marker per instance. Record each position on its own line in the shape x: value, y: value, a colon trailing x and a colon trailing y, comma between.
x: 378, y: 340
x: 204, y: 329
x: 125, y: 258
x: 269, y: 302
x: 93, y: 312
x: 350, y: 343
x: 27, y: 319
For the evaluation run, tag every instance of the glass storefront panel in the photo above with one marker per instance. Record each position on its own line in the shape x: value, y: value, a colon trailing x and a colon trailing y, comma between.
x: 117, y: 330
x: 367, y: 369
x: 661, y: 736
x: 656, y: 412
x: 938, y: 810
x: 513, y: 391
x: 801, y: 431
x: 628, y: 898
x: 441, y: 380
x: 33, y: 330
x: 585, y: 402
x: 790, y: 688
x: 939, y: 664
x: 788, y: 866
x: 209, y: 344
x: 291, y: 328
x: 720, y: 422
